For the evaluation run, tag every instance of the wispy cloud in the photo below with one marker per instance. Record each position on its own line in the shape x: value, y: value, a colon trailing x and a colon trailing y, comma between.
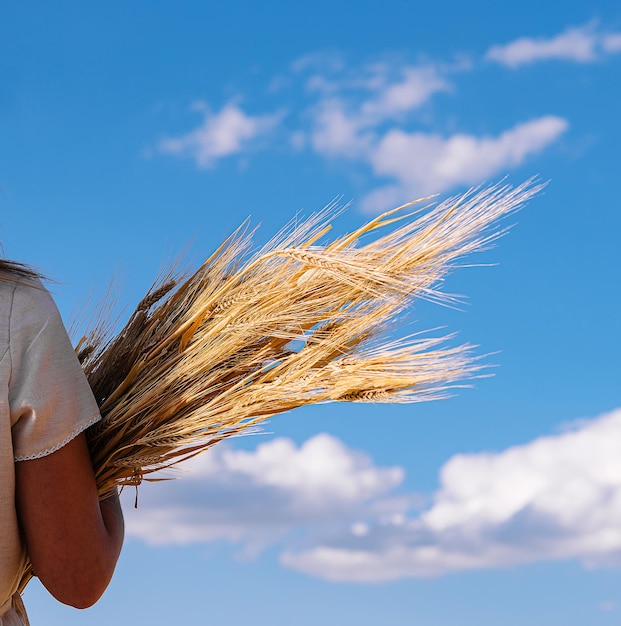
x: 338, y: 516
x: 337, y: 133
x: 380, y: 116
x: 391, y: 99
x: 423, y: 163
x: 361, y: 118
x: 611, y: 43
x: 583, y: 44
x: 227, y: 132
x: 351, y: 107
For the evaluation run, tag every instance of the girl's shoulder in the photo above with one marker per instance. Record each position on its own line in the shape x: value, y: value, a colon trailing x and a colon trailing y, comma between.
x: 26, y: 307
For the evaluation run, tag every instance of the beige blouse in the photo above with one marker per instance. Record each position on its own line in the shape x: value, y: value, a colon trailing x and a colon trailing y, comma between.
x: 45, y: 401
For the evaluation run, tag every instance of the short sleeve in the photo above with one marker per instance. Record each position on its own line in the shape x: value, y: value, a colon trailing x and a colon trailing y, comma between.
x: 50, y: 400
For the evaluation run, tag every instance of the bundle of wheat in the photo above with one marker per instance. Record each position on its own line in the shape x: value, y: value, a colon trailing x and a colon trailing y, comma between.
x: 248, y: 336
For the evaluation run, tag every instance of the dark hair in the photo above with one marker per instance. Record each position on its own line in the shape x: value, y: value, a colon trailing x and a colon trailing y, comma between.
x: 18, y: 270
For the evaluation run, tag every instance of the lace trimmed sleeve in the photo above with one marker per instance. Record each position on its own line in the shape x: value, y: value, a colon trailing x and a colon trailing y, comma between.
x: 50, y: 400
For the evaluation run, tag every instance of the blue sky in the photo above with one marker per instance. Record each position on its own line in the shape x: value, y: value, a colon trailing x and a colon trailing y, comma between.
x: 131, y: 132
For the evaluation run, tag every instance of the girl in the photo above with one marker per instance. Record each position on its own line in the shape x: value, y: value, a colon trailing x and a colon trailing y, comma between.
x: 49, y: 508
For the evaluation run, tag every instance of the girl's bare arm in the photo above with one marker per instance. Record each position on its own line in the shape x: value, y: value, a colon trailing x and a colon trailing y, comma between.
x: 73, y: 539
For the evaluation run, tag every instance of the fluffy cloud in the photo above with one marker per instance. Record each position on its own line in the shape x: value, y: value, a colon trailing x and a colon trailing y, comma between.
x: 583, y: 45
x: 255, y: 498
x: 557, y: 497
x: 221, y: 134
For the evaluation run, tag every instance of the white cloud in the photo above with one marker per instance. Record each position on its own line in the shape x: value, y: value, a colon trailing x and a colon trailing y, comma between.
x: 415, y: 87
x: 612, y: 43
x: 221, y: 134
x: 345, y: 119
x: 583, y: 44
x: 423, y: 163
x: 358, y: 116
x: 334, y: 513
x: 388, y: 89
x: 323, y: 61
x: 254, y: 498
x: 557, y: 497
x: 365, y: 114
x: 337, y: 133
